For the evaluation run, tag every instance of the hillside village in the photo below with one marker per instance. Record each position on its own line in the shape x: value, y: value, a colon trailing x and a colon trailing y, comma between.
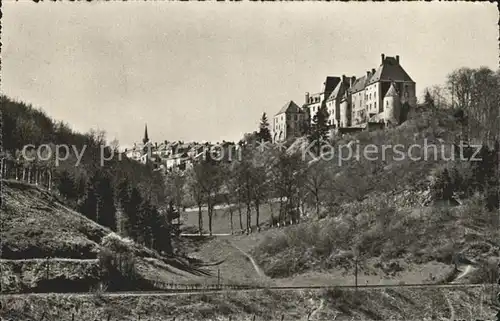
x: 382, y: 98
x: 167, y: 156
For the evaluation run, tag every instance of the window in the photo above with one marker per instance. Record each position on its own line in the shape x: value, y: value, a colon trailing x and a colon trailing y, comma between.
x: 375, y: 105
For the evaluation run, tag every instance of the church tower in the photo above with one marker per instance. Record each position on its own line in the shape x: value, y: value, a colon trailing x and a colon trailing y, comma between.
x: 145, y: 140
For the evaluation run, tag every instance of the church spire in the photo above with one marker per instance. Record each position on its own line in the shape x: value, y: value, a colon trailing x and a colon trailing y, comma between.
x: 145, y: 140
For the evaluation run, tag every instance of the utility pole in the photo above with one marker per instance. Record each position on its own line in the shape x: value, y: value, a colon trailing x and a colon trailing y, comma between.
x: 218, y: 278
x: 47, y: 268
x: 356, y: 273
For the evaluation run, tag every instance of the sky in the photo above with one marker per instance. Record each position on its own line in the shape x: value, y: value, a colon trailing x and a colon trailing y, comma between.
x: 197, y: 71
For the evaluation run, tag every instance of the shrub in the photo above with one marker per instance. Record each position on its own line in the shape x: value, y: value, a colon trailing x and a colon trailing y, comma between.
x: 98, y: 291
x: 117, y: 262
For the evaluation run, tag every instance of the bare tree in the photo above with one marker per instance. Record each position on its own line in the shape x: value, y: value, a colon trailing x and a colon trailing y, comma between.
x: 194, y: 190
x: 288, y: 175
x: 315, y: 180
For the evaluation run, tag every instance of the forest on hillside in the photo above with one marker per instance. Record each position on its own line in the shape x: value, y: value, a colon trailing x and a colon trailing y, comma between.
x: 121, y: 194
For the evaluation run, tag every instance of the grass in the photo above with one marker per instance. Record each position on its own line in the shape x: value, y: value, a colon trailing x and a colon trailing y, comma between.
x: 235, y: 268
x: 382, y: 234
x: 379, y: 304
x: 37, y: 226
x: 221, y: 223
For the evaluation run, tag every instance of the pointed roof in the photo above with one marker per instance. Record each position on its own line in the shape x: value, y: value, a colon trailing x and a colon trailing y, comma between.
x: 330, y: 83
x: 390, y: 70
x: 392, y: 92
x: 146, y: 138
x: 336, y: 92
x: 289, y: 107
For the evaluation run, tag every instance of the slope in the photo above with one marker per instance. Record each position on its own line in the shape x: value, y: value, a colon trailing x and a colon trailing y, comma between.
x: 378, y: 210
x: 43, y: 239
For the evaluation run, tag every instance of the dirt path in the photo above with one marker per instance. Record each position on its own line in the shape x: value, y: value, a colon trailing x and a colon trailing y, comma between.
x: 255, y: 265
x: 321, y: 305
x: 465, y: 272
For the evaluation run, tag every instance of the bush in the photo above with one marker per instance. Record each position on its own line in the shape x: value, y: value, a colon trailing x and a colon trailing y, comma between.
x: 117, y: 262
x: 99, y: 290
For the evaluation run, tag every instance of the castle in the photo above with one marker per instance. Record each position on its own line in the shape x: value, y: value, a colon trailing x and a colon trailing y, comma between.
x: 380, y: 98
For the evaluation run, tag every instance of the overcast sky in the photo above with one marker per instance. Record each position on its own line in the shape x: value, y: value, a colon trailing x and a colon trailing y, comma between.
x: 207, y: 71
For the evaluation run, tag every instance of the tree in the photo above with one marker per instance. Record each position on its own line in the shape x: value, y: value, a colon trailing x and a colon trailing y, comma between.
x: 123, y: 201
x: 428, y: 99
x: 66, y: 185
x: 264, y: 133
x: 316, y: 178
x: 288, y: 177
x: 208, y: 175
x: 160, y: 231
x: 319, y: 128
x: 174, y: 183
x: 260, y: 181
x: 476, y: 93
x: 230, y: 192
x: 459, y: 83
x: 98, y: 203
x: 132, y: 213
x: 443, y: 188
x: 194, y: 190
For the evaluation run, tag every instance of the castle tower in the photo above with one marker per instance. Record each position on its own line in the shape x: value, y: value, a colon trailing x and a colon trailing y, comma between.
x: 145, y: 140
x: 392, y: 106
x: 344, y: 111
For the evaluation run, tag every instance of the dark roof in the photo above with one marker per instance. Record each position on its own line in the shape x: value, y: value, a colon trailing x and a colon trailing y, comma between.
x: 289, y: 107
x: 339, y: 89
x: 330, y: 83
x: 390, y: 70
x: 359, y: 84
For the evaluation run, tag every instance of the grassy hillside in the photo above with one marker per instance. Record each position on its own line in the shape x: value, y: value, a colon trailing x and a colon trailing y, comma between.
x: 37, y: 227
x: 375, y: 209
x: 395, y: 304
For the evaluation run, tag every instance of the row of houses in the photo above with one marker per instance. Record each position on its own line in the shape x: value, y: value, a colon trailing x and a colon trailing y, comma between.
x: 379, y: 98
x: 175, y: 155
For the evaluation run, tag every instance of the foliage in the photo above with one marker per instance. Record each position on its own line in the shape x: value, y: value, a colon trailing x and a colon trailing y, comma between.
x: 264, y: 134
x: 319, y: 128
x: 108, y: 192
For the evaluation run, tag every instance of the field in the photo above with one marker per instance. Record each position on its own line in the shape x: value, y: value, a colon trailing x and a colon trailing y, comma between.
x: 221, y: 223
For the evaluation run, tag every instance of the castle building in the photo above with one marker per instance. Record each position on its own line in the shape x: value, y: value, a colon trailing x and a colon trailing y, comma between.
x: 382, y: 95
x: 315, y: 101
x: 288, y: 122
